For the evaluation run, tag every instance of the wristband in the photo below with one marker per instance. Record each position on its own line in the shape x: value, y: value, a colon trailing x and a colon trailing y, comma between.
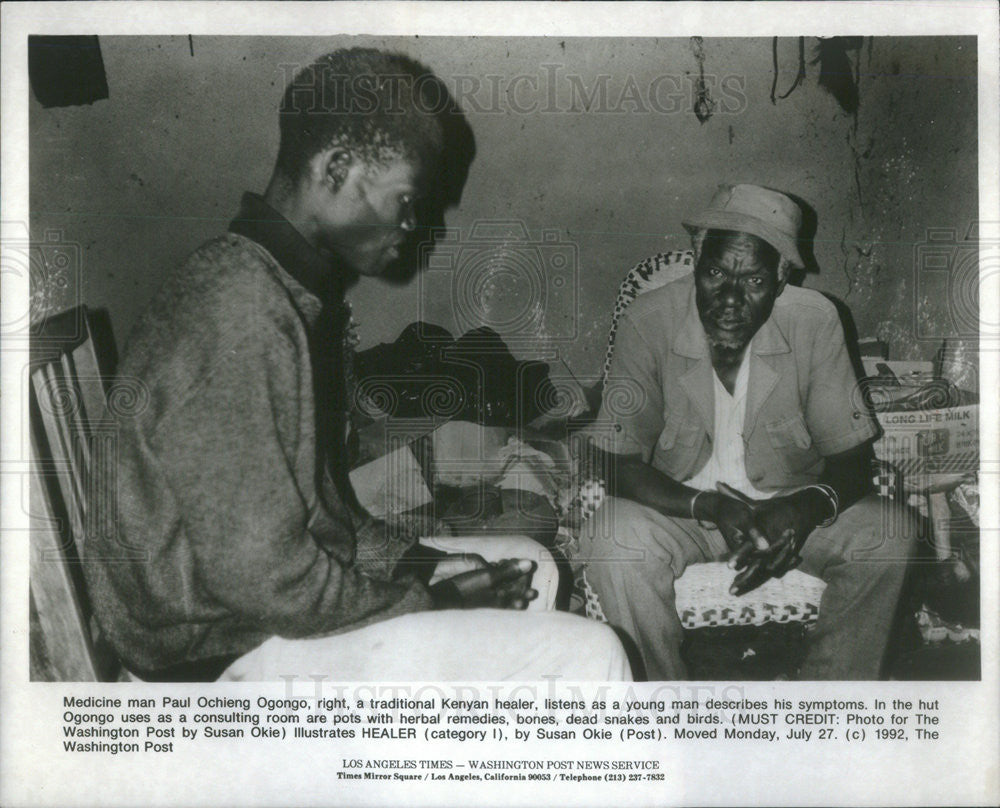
x: 694, y: 499
x: 831, y: 495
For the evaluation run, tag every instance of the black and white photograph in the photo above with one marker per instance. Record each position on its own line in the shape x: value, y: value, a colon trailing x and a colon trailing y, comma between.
x: 637, y: 360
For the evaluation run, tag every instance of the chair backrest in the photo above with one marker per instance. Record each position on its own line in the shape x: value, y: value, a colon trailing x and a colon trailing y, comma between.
x: 73, y: 441
x: 652, y: 273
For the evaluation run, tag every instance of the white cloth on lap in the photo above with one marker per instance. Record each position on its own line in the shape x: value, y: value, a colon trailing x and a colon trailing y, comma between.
x: 468, y: 454
x: 454, y: 645
x: 447, y: 646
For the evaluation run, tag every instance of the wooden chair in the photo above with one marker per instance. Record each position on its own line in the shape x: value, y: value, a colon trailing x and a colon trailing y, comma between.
x: 73, y: 446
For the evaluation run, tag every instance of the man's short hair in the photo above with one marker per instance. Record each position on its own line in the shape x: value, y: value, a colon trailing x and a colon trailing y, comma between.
x: 378, y: 105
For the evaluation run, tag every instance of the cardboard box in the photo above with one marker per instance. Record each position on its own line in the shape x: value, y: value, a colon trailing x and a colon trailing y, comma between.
x: 931, y: 442
x: 925, y: 443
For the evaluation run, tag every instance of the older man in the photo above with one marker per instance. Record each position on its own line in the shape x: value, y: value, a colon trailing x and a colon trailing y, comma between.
x: 243, y: 551
x: 748, y: 438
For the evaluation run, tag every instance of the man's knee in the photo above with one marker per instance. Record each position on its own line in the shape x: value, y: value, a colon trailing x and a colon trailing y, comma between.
x: 880, y: 531
x: 631, y: 552
x: 597, y: 637
x: 620, y: 529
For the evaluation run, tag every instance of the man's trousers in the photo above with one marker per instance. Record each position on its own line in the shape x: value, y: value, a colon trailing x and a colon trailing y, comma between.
x: 635, y: 553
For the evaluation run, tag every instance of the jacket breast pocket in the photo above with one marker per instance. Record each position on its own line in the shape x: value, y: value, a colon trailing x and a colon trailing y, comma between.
x: 793, y: 444
x: 678, y: 445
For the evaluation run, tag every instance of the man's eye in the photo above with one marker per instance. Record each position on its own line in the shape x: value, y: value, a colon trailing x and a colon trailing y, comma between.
x: 714, y: 273
x: 755, y: 281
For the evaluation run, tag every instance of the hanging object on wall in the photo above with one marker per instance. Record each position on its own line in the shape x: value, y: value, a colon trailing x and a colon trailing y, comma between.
x: 799, y: 76
x: 836, y: 73
x: 704, y: 105
x: 66, y: 71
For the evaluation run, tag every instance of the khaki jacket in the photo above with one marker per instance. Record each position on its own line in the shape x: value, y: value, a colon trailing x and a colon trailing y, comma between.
x: 803, y: 402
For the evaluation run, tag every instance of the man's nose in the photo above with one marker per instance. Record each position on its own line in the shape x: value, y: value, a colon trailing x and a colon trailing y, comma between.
x: 731, y: 294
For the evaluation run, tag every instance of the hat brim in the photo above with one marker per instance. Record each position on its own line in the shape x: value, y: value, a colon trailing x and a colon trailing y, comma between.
x: 730, y: 220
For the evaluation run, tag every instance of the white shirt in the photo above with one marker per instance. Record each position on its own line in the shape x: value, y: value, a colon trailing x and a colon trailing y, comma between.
x: 727, y: 463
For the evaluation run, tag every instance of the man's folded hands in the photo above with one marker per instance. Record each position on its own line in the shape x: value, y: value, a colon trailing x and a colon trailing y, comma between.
x: 467, y: 581
x: 765, y: 535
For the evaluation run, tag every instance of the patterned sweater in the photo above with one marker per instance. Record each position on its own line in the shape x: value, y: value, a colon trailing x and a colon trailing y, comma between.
x: 224, y: 536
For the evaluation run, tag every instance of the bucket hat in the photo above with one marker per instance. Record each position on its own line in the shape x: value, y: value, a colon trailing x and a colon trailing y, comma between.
x: 767, y: 214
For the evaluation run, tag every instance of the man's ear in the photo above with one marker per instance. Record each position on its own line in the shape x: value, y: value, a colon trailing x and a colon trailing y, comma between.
x: 336, y: 163
x: 784, y: 271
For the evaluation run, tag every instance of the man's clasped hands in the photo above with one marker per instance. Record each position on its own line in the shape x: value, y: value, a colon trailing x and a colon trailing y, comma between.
x: 765, y: 535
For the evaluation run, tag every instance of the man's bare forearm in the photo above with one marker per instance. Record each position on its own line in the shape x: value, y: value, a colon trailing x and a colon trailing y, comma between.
x: 629, y: 477
x: 850, y: 474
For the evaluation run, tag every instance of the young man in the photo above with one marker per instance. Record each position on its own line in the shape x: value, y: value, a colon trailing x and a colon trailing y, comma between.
x: 749, y: 438
x: 241, y: 549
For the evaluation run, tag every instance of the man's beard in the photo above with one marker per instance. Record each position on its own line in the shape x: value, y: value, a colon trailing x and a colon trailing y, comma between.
x: 727, y: 349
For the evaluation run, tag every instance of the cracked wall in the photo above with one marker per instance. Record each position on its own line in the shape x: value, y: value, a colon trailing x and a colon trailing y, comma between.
x: 138, y: 180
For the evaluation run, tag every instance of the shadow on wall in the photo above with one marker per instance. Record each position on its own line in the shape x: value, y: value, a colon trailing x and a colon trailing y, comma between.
x: 447, y: 183
x: 806, y: 241
x: 807, y: 236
